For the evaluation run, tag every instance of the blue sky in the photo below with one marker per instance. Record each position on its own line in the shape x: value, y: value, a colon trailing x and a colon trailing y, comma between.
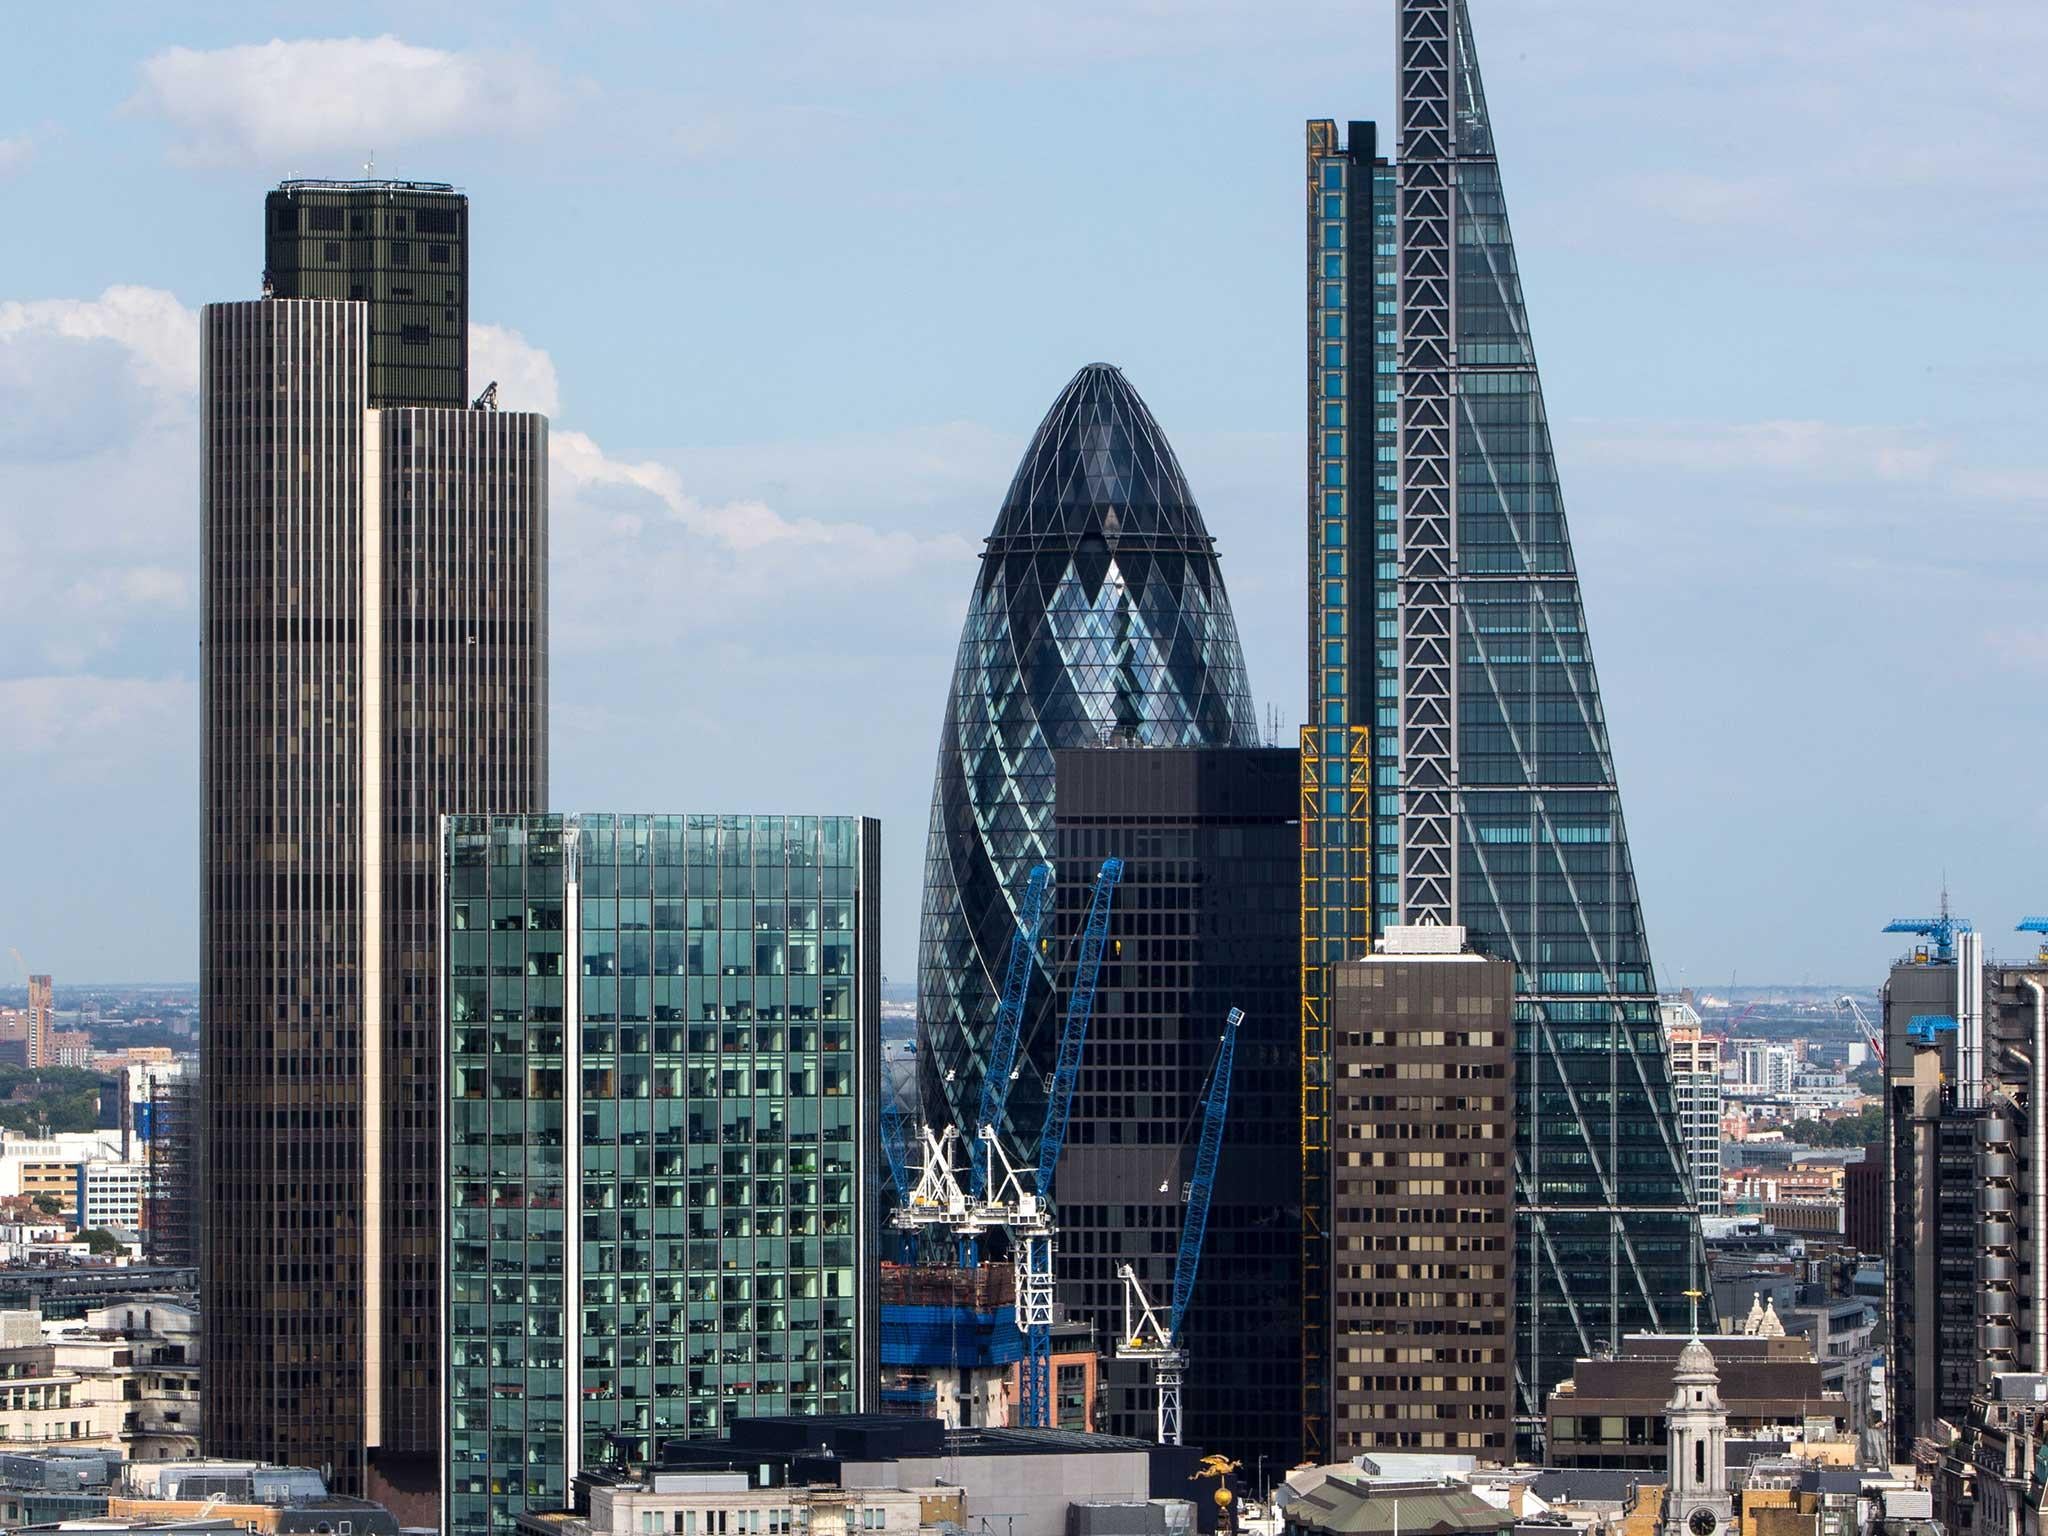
x: 795, y: 283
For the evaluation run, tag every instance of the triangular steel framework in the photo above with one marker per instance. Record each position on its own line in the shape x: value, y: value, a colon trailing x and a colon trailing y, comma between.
x: 1510, y: 813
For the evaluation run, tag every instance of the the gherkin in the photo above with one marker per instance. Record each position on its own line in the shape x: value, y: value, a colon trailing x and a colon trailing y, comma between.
x: 1098, y: 617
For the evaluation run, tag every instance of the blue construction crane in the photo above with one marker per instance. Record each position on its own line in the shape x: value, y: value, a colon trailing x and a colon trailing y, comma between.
x: 1215, y: 1109
x: 1922, y: 1028
x: 896, y: 1148
x: 896, y: 1144
x: 999, y: 1070
x: 1035, y: 1280
x: 1145, y: 1336
x: 1940, y: 931
x: 2036, y: 925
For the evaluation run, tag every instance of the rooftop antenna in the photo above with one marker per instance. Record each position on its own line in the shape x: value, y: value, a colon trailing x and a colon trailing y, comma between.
x: 370, y: 167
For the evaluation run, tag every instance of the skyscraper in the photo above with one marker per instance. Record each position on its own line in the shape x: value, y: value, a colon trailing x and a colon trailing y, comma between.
x: 375, y: 635
x: 1422, y: 1230
x: 402, y: 247
x: 1966, y: 1132
x: 1456, y: 767
x: 1204, y: 921
x: 41, y: 1018
x: 664, y: 1051
x: 1098, y: 616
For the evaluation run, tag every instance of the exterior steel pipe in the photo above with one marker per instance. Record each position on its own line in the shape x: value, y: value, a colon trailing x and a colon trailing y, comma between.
x: 1970, y: 1020
x: 2037, y: 1123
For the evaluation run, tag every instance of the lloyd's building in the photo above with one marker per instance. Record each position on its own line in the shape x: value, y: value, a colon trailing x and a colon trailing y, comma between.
x: 1456, y: 765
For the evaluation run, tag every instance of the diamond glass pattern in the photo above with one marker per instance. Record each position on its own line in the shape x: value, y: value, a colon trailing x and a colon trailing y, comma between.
x: 1099, y: 617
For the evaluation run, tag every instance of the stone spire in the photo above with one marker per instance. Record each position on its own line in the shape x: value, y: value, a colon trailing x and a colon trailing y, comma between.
x: 1696, y: 1500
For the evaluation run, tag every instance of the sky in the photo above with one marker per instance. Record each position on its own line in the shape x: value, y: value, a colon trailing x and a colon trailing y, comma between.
x: 795, y: 284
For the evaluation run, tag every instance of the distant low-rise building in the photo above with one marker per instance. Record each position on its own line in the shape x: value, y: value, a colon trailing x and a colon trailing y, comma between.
x: 111, y: 1194
x: 1696, y: 1095
x: 849, y: 1473
x: 1987, y: 1482
x: 124, y: 1379
x: 726, y: 1503
x: 1360, y: 1506
x: 1611, y: 1412
x: 64, y: 1489
x: 1863, y: 1201
x: 68, y: 1048
x: 48, y: 1165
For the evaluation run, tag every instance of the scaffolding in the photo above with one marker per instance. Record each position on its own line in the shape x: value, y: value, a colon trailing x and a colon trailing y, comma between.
x: 170, y: 1224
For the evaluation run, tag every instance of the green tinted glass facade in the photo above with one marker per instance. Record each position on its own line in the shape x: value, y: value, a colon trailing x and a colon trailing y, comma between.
x: 1606, y: 1230
x: 662, y: 1058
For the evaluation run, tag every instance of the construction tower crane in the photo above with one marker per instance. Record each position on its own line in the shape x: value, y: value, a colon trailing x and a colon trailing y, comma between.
x: 995, y: 1195
x: 999, y: 1071
x: 936, y: 1197
x: 929, y: 1200
x: 1145, y: 1336
x: 1033, y: 1227
x: 1872, y: 1036
x: 2036, y: 925
x: 1940, y: 931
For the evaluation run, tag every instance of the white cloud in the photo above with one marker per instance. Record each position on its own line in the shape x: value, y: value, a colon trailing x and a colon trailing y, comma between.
x: 524, y: 373
x: 14, y: 154
x: 96, y: 719
x: 100, y: 534
x: 159, y: 335
x: 99, y: 452
x: 639, y: 559
x: 280, y: 101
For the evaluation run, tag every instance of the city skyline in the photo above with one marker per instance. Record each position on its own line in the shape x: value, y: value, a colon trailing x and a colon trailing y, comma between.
x: 1766, y: 435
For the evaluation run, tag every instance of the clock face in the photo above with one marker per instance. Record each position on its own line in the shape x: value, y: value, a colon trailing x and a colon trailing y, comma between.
x: 1702, y: 1522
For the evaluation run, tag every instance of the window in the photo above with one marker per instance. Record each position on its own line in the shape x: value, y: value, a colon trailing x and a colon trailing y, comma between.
x: 438, y: 253
x: 331, y: 251
x: 401, y: 253
x: 414, y: 335
x: 323, y: 218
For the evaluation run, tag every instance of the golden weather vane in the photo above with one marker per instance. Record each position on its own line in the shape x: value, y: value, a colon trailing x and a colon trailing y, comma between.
x: 1220, y: 1468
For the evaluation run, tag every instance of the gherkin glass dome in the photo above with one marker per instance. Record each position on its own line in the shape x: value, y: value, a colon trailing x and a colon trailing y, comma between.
x: 1098, y: 618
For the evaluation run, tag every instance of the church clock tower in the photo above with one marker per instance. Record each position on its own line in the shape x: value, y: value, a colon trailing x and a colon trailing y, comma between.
x: 1696, y: 1501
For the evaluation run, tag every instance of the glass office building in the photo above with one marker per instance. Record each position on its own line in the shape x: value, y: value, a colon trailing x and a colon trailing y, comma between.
x: 1456, y: 729
x: 662, y: 1067
x: 1205, y: 921
x: 1098, y: 618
